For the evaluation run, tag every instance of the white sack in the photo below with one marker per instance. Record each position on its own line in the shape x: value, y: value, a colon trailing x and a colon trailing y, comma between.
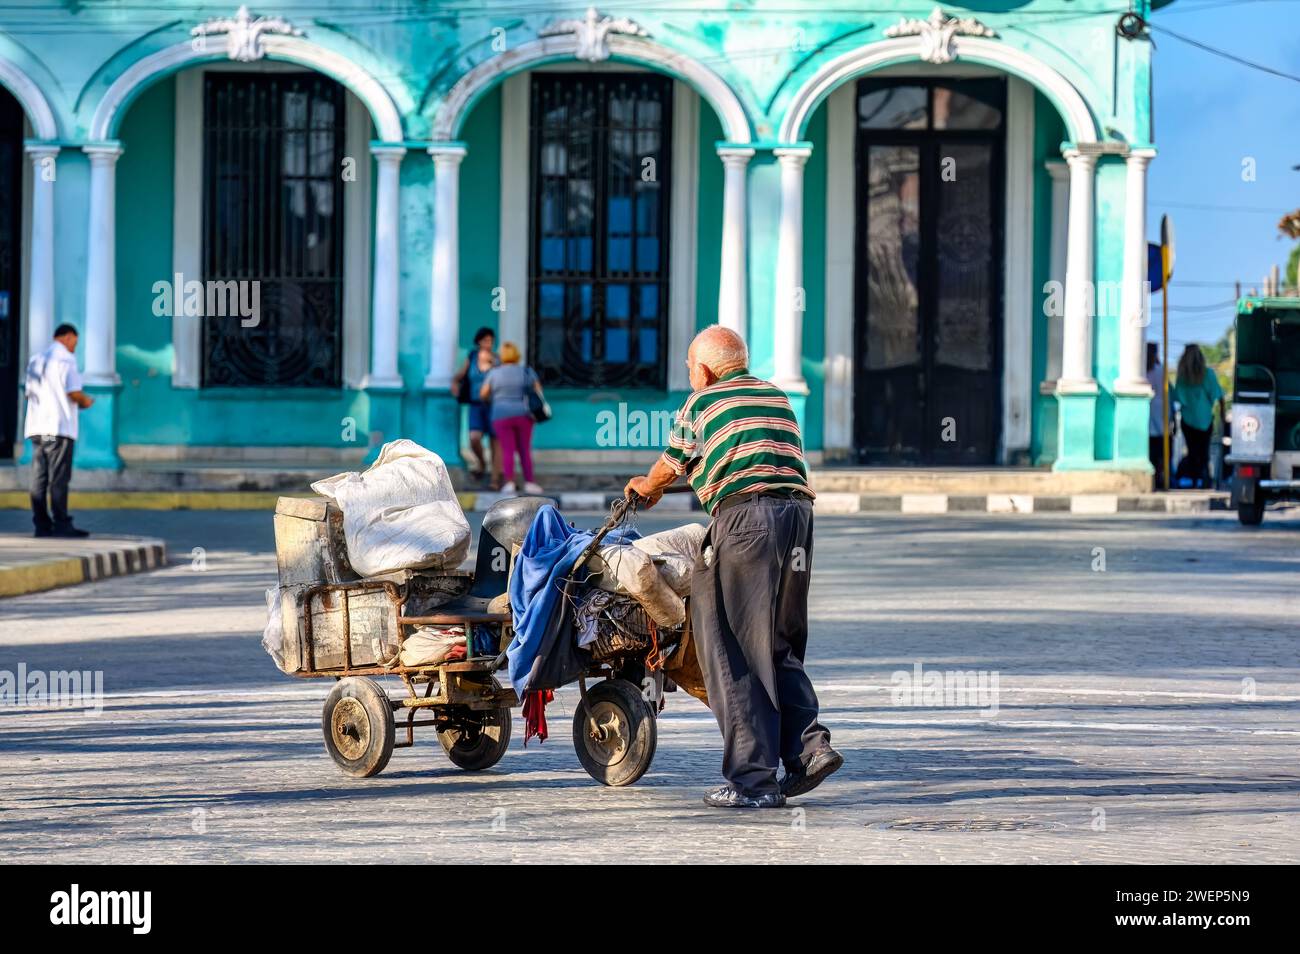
x: 625, y: 569
x: 429, y: 645
x: 401, y: 513
x: 676, y: 551
x: 273, y: 635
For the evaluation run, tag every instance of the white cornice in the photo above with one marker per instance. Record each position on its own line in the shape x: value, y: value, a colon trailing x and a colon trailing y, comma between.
x: 901, y: 49
x: 461, y: 97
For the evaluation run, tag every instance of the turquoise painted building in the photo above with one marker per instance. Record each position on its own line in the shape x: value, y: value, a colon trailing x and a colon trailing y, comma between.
x: 279, y: 229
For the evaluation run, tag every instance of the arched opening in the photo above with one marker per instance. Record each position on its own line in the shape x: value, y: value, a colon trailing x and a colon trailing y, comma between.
x: 247, y: 196
x: 592, y: 210
x: 26, y: 277
x: 936, y: 348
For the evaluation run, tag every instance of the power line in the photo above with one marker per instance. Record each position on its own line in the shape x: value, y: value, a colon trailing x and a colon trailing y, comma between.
x: 1225, y: 54
x: 1218, y: 306
x: 1209, y: 207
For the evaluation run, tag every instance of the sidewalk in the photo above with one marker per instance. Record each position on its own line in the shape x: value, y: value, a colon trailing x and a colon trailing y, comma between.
x: 31, y: 564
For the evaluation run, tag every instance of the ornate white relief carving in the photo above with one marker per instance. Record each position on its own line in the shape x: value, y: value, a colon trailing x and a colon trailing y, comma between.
x: 244, y: 33
x: 593, y: 32
x: 936, y: 33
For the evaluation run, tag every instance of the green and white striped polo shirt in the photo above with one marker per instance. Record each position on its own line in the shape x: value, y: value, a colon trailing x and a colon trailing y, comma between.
x: 746, y: 436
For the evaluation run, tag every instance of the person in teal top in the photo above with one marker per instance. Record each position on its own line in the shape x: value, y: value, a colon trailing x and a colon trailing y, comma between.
x: 1198, y: 394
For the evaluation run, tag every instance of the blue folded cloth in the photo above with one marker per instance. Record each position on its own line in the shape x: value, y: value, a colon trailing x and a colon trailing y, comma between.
x: 547, y: 557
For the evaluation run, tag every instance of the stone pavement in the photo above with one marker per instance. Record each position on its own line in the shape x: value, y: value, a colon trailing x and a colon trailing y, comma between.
x: 1147, y: 709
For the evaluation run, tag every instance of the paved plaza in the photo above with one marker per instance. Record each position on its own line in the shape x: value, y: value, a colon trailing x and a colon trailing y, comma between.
x: 1146, y: 708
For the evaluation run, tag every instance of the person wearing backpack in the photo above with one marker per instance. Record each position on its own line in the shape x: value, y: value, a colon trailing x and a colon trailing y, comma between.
x: 466, y: 385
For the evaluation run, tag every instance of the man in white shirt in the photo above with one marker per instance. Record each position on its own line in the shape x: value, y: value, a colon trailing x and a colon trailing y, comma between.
x: 54, y: 397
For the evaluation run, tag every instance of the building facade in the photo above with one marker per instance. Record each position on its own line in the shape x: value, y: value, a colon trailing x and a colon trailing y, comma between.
x: 280, y: 228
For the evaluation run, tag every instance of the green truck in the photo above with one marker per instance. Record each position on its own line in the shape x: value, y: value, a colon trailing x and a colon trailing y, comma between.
x: 1265, y: 454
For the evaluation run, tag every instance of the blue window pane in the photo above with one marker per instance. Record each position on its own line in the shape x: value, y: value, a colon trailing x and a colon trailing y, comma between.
x: 647, y: 255
x: 649, y: 339
x: 647, y: 211
x: 579, y: 255
x: 552, y: 301
x: 620, y: 255
x: 584, y: 301
x: 618, y: 302
x: 620, y: 214
x: 649, y: 301
x: 586, y: 343
x: 617, y: 342
x: 552, y: 254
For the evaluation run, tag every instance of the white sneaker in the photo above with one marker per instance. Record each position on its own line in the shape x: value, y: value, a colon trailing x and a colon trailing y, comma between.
x: 532, y: 488
x: 508, y: 488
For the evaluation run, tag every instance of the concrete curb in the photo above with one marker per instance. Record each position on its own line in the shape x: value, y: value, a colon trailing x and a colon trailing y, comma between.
x: 927, y: 504
x: 158, y: 499
x: 120, y: 559
x: 828, y: 502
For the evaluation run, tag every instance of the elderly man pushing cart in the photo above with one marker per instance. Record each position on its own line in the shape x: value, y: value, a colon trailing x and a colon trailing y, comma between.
x: 749, y: 592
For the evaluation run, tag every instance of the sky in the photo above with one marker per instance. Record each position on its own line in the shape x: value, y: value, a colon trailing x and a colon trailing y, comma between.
x: 1211, y: 115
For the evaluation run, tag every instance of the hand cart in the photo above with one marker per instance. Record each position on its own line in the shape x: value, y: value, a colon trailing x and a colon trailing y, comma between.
x: 614, y: 726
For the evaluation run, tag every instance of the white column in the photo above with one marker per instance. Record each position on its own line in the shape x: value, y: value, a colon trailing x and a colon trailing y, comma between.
x: 1060, y: 224
x: 384, y: 309
x: 790, y: 294
x: 101, y: 266
x: 1134, y: 299
x: 444, y: 311
x: 40, y: 280
x: 732, y: 297
x: 1076, y: 357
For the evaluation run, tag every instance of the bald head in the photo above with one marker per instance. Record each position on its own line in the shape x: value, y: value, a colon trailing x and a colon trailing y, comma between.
x: 714, y: 352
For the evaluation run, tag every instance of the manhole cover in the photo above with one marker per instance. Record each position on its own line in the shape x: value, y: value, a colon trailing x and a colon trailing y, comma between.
x: 963, y: 824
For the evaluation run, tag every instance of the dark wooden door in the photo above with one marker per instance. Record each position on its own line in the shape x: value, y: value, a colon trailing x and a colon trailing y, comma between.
x: 928, y: 299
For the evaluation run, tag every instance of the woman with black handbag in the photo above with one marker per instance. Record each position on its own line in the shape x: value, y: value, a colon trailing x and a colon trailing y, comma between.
x: 466, y: 385
x: 517, y: 403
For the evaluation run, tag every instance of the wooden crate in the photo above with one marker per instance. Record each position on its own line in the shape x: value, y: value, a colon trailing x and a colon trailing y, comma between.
x: 371, y: 626
x: 309, y: 543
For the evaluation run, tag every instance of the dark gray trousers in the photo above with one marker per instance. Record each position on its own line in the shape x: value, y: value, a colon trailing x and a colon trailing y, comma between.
x: 749, y: 614
x: 51, y: 472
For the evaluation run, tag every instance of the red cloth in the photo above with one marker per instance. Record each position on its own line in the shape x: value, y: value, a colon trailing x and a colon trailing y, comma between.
x: 455, y: 654
x: 535, y: 714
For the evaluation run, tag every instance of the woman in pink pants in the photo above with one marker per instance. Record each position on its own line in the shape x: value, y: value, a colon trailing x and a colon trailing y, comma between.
x: 507, y: 388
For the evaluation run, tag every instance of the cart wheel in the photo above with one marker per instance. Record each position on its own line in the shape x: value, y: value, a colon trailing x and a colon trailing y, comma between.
x: 1251, y: 514
x: 614, y: 732
x: 358, y: 726
x: 480, y: 741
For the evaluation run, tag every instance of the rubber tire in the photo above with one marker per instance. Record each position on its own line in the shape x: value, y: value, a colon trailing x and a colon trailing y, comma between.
x: 1251, y: 515
x: 486, y: 751
x: 375, y: 708
x: 638, y: 727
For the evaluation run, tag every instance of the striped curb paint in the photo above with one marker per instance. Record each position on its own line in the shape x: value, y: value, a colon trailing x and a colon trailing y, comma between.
x: 828, y: 503
x: 121, y: 560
